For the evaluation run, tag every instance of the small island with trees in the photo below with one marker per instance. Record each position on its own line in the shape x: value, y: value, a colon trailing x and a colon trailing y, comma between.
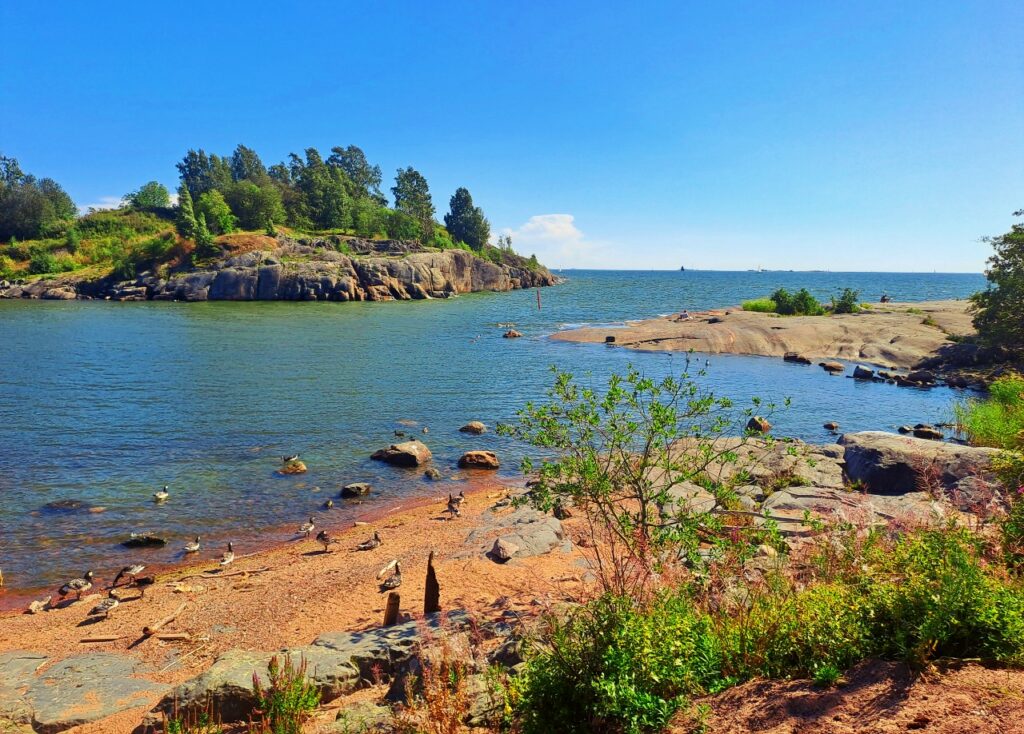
x: 308, y: 228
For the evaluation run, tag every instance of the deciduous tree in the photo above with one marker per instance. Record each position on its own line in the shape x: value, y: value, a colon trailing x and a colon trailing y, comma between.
x: 999, y: 310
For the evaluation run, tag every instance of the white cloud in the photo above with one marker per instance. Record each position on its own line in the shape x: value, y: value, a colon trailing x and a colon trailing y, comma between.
x: 105, y: 202
x: 557, y: 242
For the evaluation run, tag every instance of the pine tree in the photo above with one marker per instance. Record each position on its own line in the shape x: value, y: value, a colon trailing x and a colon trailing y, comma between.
x: 186, y: 221
x: 205, y: 246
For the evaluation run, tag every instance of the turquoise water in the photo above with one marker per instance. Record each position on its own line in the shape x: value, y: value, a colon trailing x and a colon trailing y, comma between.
x: 105, y: 402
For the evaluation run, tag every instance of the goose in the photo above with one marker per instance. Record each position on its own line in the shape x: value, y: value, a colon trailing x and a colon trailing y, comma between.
x: 105, y: 606
x: 192, y: 547
x: 162, y: 495
x: 76, y: 586
x: 130, y: 571
x: 393, y: 581
x: 453, y: 508
x: 229, y: 556
x: 459, y: 498
x: 371, y: 543
x: 307, y: 527
x: 289, y: 459
x: 324, y: 537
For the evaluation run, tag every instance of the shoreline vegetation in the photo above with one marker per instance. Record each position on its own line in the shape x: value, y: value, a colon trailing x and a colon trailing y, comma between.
x: 323, y: 223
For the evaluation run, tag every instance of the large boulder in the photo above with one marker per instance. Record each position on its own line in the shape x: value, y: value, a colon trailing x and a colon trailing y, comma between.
x: 757, y: 424
x: 479, y: 460
x: 835, y: 368
x: 890, y: 464
x: 860, y: 372
x: 531, y: 532
x: 474, y: 427
x: 355, y: 489
x: 407, y: 453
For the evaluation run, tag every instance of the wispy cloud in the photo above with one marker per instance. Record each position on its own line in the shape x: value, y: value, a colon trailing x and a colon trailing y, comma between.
x: 105, y: 202
x: 556, y: 241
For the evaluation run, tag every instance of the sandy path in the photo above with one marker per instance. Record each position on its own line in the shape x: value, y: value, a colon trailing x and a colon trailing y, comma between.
x: 304, y: 594
x: 895, y: 335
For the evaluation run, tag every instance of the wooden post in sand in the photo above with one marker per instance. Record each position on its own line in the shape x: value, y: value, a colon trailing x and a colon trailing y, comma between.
x: 391, y: 610
x: 432, y: 591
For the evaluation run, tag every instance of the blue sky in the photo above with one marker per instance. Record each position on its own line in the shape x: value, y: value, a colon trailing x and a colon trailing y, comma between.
x: 846, y: 136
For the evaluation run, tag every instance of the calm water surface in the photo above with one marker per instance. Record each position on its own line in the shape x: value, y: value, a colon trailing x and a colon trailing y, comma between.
x: 105, y: 402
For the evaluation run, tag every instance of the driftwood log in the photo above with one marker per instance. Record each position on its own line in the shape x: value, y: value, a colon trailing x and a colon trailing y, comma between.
x: 391, y: 610
x: 155, y: 627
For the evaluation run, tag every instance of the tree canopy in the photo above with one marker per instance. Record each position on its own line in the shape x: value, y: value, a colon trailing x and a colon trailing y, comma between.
x: 998, y: 309
x: 31, y: 207
x: 465, y: 222
x: 152, y: 195
x: 412, y: 197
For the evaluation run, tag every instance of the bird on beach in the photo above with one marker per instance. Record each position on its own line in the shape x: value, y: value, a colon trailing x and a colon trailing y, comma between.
x: 105, y: 606
x: 453, y: 508
x: 324, y: 537
x: 130, y: 571
x: 371, y: 543
x: 459, y: 498
x: 76, y: 586
x: 393, y: 581
x: 34, y: 607
x: 162, y: 495
x: 229, y: 556
x: 192, y: 547
x: 307, y: 527
x: 289, y: 459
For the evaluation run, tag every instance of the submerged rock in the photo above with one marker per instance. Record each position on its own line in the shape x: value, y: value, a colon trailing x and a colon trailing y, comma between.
x: 293, y: 467
x: 863, y: 373
x: 355, y: 489
x: 833, y: 367
x: 795, y: 357
x: 474, y: 427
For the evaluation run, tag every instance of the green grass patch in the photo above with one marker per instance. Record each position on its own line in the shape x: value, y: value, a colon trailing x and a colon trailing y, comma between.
x: 760, y: 305
x: 997, y: 420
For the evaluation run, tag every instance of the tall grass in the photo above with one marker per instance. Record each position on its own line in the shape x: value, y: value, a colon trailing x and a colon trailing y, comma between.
x: 998, y: 420
x: 761, y: 305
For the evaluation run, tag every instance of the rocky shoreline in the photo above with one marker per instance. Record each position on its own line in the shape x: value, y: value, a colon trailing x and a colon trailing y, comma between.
x: 286, y: 269
x: 325, y: 607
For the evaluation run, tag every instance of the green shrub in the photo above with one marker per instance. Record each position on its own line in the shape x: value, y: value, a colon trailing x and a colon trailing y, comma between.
x: 846, y: 302
x: 761, y: 305
x: 801, y: 303
x: 42, y: 261
x: 998, y: 420
x: 287, y: 699
x: 6, y: 267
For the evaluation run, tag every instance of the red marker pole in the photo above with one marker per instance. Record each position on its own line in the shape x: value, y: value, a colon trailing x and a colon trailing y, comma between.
x: 538, y: 298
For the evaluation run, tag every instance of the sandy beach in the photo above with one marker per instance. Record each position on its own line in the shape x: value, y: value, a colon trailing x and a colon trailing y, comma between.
x: 891, y: 335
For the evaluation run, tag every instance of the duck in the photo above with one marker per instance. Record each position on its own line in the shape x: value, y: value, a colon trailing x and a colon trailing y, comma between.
x: 453, y: 508
x: 324, y: 537
x: 192, y: 547
x: 459, y: 498
x: 229, y: 556
x: 371, y: 543
x: 393, y: 581
x: 289, y: 459
x: 328, y: 504
x: 130, y: 571
x: 105, y: 606
x: 76, y: 586
x: 307, y: 527
x: 162, y: 495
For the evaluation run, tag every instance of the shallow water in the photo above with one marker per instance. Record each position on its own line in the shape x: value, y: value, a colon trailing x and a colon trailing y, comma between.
x: 106, y: 402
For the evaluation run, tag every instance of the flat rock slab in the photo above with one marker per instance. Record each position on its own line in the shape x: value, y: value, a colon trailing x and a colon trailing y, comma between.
x: 788, y: 506
x: 338, y: 663
x: 532, y: 532
x: 87, y: 688
x: 17, y: 667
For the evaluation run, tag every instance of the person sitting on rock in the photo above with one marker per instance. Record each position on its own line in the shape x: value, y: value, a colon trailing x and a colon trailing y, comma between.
x: 684, y: 315
x: 885, y: 298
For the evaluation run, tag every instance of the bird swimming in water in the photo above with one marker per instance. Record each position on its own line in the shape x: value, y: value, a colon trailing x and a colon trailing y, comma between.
x: 229, y: 556
x: 393, y: 581
x: 76, y: 586
x: 162, y: 495
x: 324, y: 537
x: 307, y: 527
x: 289, y: 459
x: 371, y: 543
x: 106, y: 606
x: 453, y: 508
x: 328, y: 504
x: 130, y: 571
x: 192, y: 547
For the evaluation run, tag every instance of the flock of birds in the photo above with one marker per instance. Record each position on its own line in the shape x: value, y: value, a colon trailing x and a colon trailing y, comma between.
x: 131, y: 573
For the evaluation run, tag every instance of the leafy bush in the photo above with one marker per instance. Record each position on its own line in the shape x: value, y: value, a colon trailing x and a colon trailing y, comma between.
x: 847, y: 302
x: 6, y: 267
x: 997, y: 309
x: 801, y: 303
x: 43, y: 261
x: 998, y: 420
x: 761, y: 305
